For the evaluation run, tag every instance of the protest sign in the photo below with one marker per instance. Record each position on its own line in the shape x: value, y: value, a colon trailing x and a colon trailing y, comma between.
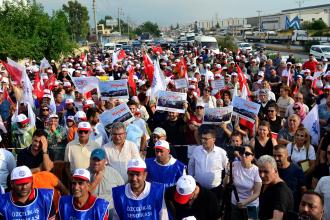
x: 85, y: 84
x: 115, y: 88
x: 171, y: 101
x: 181, y: 83
x: 120, y: 113
x: 217, y: 115
x: 245, y: 109
x: 217, y: 85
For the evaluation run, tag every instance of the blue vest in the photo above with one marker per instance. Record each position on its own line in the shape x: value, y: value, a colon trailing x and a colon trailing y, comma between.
x: 39, y: 209
x: 146, y: 209
x: 69, y: 212
x: 167, y: 175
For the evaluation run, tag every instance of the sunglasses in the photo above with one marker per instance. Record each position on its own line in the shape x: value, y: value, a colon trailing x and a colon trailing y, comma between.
x: 246, y: 154
x: 200, y: 107
x: 45, y: 109
x: 82, y: 132
x: 295, y: 109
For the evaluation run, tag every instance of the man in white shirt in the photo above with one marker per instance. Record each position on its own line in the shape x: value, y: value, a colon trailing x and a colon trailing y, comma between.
x: 78, y: 152
x: 138, y: 198
x: 119, y: 150
x: 207, y: 162
x: 7, y: 164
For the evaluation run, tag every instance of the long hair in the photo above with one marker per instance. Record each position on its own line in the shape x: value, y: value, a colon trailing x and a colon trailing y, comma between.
x: 266, y: 124
x: 307, y: 141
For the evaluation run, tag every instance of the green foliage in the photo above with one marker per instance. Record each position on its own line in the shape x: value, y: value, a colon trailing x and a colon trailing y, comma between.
x: 28, y: 32
x: 78, y: 19
x: 103, y: 21
x: 308, y: 44
x: 314, y: 25
x: 150, y: 27
x: 227, y: 42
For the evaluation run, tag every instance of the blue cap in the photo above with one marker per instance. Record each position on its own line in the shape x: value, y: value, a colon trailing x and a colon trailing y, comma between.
x: 98, y: 153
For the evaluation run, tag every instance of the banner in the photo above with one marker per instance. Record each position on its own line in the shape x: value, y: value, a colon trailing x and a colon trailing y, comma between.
x: 158, y: 82
x: 217, y: 115
x: 171, y: 101
x: 85, y: 84
x: 245, y: 109
x: 312, y: 124
x: 217, y: 85
x: 115, y: 88
x: 121, y: 113
x: 44, y: 64
x: 181, y: 83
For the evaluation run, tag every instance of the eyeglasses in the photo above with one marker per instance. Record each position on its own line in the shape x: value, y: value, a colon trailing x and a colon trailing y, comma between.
x: 246, y: 154
x: 295, y: 109
x: 45, y: 109
x: 117, y: 134
x: 199, y: 107
x: 82, y: 132
x: 156, y: 136
x: 207, y: 90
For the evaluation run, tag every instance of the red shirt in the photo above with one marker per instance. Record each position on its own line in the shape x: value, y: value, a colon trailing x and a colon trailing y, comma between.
x: 90, y: 202
x: 311, y: 65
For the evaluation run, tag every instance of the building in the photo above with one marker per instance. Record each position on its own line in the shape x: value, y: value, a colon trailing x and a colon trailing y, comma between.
x: 278, y: 21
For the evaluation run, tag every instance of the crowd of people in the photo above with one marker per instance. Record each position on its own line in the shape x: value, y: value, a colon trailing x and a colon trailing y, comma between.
x: 59, y: 161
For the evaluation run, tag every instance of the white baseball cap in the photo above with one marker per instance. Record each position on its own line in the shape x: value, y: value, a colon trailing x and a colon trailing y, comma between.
x: 261, y: 73
x: 185, y: 186
x: 159, y: 131
x: 234, y: 74
x: 137, y: 165
x: 46, y: 91
x: 161, y: 144
x: 192, y: 87
x: 21, y: 175
x: 53, y: 116
x: 82, y: 174
x: 67, y: 84
x: 309, y: 78
x: 70, y: 117
x: 326, y: 86
x: 21, y: 118
x: 84, y: 126
x: 47, y: 96
x: 200, y: 104
x: 80, y: 115
x: 69, y: 101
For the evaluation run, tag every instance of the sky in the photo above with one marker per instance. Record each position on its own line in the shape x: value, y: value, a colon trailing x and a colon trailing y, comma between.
x: 171, y: 12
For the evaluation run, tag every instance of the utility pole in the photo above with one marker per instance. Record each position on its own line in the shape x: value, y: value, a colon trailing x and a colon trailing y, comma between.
x: 259, y: 12
x: 120, y: 12
x: 300, y: 2
x: 128, y: 27
x: 95, y: 26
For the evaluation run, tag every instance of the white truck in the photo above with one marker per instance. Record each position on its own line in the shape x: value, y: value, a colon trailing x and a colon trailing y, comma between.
x: 208, y: 42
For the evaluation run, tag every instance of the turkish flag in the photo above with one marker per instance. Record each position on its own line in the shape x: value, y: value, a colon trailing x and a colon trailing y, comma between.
x: 247, y: 124
x: 242, y: 80
x: 121, y: 55
x: 37, y: 88
x: 148, y: 67
x: 157, y: 49
x: 181, y: 68
x: 6, y: 95
x: 14, y: 69
x: 50, y: 83
x: 131, y: 82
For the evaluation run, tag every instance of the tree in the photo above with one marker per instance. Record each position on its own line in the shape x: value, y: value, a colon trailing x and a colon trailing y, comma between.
x: 29, y: 32
x: 314, y: 25
x: 77, y: 15
x: 149, y: 27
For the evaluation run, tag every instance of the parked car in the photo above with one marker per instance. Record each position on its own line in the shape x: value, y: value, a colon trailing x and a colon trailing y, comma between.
x: 320, y: 51
x: 245, y: 47
x: 259, y: 46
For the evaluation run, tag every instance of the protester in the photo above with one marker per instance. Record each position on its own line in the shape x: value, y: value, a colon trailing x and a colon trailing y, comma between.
x: 139, y: 193
x: 82, y: 204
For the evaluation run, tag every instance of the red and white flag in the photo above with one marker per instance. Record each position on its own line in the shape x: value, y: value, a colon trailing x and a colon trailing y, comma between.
x: 37, y: 88
x: 14, y: 69
x: 121, y: 54
x: 148, y: 67
x: 131, y: 82
x: 50, y: 83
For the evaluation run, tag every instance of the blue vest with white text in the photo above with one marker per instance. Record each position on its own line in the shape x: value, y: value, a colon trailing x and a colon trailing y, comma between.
x: 69, y: 212
x: 39, y: 209
x: 146, y: 209
x: 167, y: 175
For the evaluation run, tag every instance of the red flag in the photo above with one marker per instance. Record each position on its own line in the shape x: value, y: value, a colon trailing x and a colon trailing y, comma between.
x: 242, y: 80
x: 247, y: 124
x: 295, y: 90
x: 6, y: 95
x: 37, y: 90
x: 121, y: 54
x: 148, y: 67
x: 14, y: 69
x: 131, y: 82
x: 181, y: 68
x: 157, y: 49
x: 50, y: 83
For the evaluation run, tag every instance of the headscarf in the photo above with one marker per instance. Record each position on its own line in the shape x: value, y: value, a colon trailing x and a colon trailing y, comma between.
x: 301, y: 112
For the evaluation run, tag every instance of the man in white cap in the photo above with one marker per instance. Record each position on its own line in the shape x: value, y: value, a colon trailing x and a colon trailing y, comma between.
x: 138, y: 198
x: 24, y: 201
x: 82, y: 204
x: 22, y: 132
x: 164, y: 168
x: 78, y: 151
x: 190, y: 199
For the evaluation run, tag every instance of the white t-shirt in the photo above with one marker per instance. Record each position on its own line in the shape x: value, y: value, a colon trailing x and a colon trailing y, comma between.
x: 300, y: 154
x: 244, y: 180
x: 323, y: 187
